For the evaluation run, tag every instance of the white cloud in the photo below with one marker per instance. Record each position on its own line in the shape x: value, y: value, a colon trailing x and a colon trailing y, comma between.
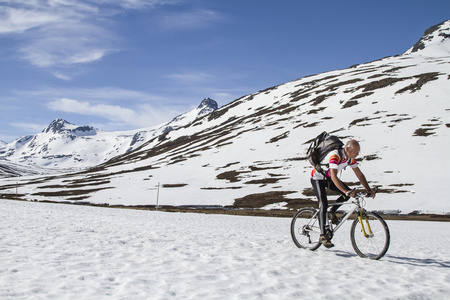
x: 110, y: 112
x: 139, y: 4
x: 143, y: 115
x: 190, y: 20
x: 20, y: 20
x: 61, y: 33
x: 61, y: 76
x: 190, y: 77
x: 67, y: 44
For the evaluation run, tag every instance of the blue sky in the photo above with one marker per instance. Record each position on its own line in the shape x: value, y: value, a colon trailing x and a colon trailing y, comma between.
x: 128, y: 64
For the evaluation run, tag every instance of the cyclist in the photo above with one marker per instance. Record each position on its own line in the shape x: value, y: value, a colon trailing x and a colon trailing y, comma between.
x: 334, y: 162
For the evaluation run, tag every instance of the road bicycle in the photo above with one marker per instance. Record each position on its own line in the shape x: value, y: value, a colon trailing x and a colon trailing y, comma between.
x: 369, y: 233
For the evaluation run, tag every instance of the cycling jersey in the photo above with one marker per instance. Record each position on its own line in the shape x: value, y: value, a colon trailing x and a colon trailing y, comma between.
x: 333, y: 161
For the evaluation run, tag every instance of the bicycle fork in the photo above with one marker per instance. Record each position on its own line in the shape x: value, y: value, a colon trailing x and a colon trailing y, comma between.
x: 362, y: 217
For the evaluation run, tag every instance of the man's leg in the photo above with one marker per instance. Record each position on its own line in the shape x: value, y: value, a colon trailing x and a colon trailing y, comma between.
x: 342, y: 197
x: 319, y: 190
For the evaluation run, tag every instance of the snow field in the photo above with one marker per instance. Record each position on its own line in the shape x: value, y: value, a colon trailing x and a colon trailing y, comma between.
x: 57, y: 251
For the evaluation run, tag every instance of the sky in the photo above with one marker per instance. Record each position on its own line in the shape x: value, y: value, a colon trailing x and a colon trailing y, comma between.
x: 130, y: 64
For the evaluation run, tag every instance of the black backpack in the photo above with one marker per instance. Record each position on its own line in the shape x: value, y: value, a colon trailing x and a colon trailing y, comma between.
x: 320, y: 147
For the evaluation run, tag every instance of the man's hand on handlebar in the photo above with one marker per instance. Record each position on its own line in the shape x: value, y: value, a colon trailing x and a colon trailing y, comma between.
x: 372, y: 192
x: 351, y: 193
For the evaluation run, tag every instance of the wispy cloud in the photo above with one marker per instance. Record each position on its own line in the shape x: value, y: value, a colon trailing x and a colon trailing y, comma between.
x: 63, y: 45
x: 19, y: 20
x: 61, y: 76
x: 59, y: 33
x: 139, y: 4
x: 111, y: 112
x: 143, y: 115
x: 190, y: 20
x: 189, y: 77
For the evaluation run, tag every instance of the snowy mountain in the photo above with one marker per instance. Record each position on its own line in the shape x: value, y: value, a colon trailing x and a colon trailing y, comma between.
x: 67, y: 146
x: 434, y: 42
x: 250, y: 153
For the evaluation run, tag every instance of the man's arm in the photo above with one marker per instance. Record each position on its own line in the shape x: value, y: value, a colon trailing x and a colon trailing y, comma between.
x: 338, y: 183
x: 363, y: 181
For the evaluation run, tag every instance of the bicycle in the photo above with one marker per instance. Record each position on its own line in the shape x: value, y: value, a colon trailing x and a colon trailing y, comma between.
x: 369, y: 232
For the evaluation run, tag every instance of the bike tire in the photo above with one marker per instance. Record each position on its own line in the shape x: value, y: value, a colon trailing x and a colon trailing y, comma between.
x: 373, y: 246
x: 305, y: 229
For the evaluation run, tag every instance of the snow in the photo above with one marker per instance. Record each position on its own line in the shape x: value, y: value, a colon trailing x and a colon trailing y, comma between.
x: 59, y: 251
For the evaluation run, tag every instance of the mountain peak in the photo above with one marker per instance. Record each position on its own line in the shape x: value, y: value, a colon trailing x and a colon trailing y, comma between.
x: 208, y: 103
x: 61, y: 126
x: 56, y: 126
x: 207, y: 106
x: 434, y: 42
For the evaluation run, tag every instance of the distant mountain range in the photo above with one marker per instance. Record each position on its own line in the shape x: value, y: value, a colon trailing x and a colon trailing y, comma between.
x: 65, y: 146
x: 250, y: 153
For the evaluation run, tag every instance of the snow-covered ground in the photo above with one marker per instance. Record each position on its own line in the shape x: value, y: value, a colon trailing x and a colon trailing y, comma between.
x: 58, y: 251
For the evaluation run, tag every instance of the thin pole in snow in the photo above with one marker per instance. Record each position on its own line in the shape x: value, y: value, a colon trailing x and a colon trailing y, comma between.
x: 157, y: 196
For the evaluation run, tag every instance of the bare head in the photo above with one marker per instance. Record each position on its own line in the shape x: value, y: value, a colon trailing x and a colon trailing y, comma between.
x: 352, y: 149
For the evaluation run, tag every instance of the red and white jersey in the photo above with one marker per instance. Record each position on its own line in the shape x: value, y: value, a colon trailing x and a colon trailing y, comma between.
x: 333, y: 160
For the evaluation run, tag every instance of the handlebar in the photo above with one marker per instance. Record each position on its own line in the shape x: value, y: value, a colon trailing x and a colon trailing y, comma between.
x: 361, y: 194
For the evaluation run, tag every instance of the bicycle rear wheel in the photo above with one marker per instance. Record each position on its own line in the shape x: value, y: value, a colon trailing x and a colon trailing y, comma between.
x: 375, y: 242
x: 305, y: 230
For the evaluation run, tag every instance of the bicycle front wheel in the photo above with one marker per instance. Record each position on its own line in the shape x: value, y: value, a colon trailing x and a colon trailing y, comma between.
x: 370, y: 236
x: 305, y: 230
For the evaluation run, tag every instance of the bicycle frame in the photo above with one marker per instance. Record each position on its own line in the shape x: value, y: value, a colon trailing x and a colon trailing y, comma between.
x: 357, y: 205
x: 347, y: 215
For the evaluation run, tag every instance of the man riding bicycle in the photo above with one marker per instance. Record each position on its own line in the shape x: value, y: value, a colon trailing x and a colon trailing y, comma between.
x: 334, y: 162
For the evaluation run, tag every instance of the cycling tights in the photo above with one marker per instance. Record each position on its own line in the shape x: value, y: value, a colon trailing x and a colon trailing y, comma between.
x: 319, y: 189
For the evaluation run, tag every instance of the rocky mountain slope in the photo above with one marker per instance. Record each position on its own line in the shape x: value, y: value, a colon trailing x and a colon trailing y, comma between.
x: 251, y: 152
